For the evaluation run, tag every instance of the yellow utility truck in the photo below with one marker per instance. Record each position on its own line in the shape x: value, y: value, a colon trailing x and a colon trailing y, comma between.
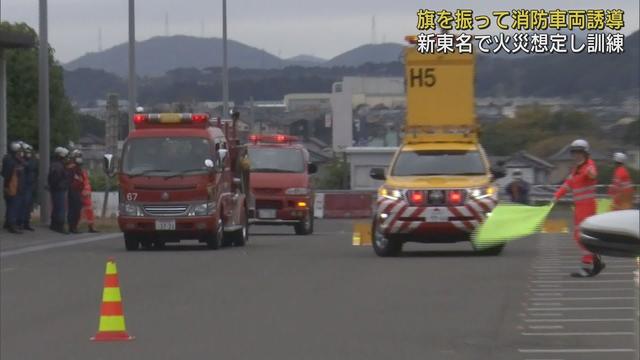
x: 439, y: 185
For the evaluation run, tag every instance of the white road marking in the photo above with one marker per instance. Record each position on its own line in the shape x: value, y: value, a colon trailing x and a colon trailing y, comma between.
x: 582, y: 289
x: 546, y: 304
x: 576, y: 351
x: 66, y: 243
x: 584, y: 308
x: 603, y: 333
x: 601, y: 274
x: 585, y: 299
x: 546, y: 314
x: 585, y: 281
x: 581, y: 320
x: 545, y: 327
x: 547, y: 294
x: 551, y: 268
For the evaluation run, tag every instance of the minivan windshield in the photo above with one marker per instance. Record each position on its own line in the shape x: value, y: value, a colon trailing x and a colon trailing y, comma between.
x: 285, y: 160
x: 439, y: 162
x: 165, y: 156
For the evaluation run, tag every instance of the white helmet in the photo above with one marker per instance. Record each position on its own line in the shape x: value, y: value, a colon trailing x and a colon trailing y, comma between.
x: 579, y: 145
x: 60, y: 151
x: 619, y: 157
x: 15, y: 146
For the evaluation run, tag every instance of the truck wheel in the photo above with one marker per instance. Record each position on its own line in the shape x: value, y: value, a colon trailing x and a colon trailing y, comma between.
x: 240, y: 237
x: 383, y: 246
x: 131, y: 242
x: 305, y: 227
x: 214, y: 241
x: 147, y: 244
x: 492, y: 251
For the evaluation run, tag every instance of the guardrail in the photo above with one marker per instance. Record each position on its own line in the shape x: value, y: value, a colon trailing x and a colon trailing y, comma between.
x: 544, y: 193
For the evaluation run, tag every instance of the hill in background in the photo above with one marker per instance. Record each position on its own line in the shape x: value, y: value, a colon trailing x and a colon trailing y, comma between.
x: 156, y: 56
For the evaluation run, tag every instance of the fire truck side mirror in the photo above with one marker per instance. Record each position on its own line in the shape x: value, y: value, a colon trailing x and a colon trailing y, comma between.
x: 108, y: 164
x: 312, y: 168
x: 377, y: 174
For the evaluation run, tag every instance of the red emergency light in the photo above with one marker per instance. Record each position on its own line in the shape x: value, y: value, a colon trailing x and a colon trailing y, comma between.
x: 142, y: 120
x: 455, y: 197
x: 416, y: 197
x: 272, y: 139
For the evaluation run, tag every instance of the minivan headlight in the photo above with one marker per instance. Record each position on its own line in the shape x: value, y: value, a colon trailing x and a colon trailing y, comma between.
x: 483, y: 192
x: 391, y: 194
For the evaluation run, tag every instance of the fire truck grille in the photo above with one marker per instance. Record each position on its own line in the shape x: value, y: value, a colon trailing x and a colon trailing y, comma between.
x: 165, y: 210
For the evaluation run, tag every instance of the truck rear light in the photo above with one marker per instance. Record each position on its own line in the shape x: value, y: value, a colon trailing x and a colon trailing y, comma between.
x: 140, y: 118
x: 199, y: 118
x: 455, y: 197
x: 416, y: 197
x: 274, y: 139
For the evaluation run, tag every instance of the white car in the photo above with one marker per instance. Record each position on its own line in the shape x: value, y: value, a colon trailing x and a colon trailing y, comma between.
x: 615, y: 233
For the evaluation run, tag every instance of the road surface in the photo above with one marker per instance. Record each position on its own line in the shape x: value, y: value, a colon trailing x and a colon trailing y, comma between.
x: 313, y: 297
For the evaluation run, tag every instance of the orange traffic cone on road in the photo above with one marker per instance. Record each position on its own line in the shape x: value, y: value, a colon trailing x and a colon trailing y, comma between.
x: 112, y: 327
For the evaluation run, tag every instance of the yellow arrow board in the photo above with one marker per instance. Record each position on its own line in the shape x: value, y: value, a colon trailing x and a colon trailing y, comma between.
x: 440, y: 89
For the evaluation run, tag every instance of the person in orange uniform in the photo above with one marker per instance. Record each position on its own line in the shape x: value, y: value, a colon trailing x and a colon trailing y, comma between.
x: 621, y: 189
x: 582, y: 183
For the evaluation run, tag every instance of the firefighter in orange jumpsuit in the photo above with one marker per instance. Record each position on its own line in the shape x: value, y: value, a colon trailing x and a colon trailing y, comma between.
x: 621, y: 189
x: 582, y: 183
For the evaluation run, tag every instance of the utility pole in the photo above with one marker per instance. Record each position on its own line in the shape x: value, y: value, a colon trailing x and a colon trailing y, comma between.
x: 44, y: 137
x: 225, y: 66
x: 3, y: 113
x: 132, y: 63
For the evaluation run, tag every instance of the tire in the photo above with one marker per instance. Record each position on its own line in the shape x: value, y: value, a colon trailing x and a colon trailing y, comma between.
x: 214, y: 241
x: 492, y: 251
x: 305, y: 227
x: 147, y: 244
x: 383, y: 246
x: 131, y: 242
x: 241, y: 237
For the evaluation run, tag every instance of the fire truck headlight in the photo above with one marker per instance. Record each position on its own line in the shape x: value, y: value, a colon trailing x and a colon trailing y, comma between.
x: 296, y: 191
x: 130, y: 209
x: 203, y: 209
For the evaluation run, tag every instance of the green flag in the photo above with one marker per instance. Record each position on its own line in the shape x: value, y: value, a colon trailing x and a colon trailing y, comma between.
x: 509, y: 222
x: 603, y: 205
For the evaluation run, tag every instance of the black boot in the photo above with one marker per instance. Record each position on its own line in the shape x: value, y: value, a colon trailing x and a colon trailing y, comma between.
x: 13, y: 229
x: 29, y: 228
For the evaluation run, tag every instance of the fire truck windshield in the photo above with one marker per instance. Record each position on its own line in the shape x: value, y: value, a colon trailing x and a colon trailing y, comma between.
x: 165, y: 156
x: 438, y: 162
x: 264, y: 159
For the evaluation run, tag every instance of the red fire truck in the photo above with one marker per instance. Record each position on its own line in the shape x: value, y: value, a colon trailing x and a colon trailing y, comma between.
x: 280, y: 182
x: 181, y: 177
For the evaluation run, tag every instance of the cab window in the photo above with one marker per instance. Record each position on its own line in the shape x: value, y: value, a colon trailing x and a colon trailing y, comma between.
x: 264, y: 159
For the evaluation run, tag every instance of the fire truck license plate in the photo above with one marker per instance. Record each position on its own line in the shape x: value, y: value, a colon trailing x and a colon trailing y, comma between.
x: 267, y: 214
x: 165, y: 225
x: 437, y: 214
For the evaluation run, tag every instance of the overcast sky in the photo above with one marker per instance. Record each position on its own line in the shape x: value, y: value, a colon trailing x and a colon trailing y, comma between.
x: 287, y: 28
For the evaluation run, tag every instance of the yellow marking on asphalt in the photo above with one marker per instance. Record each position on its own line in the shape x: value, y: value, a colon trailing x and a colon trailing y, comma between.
x: 555, y: 226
